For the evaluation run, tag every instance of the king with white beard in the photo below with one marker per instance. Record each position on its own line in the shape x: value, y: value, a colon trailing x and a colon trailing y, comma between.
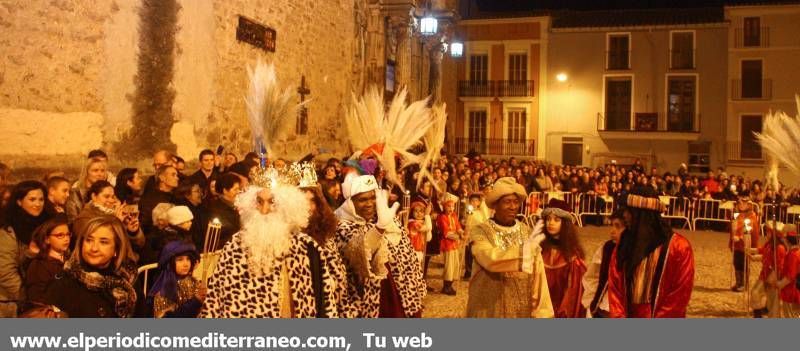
x: 271, y: 268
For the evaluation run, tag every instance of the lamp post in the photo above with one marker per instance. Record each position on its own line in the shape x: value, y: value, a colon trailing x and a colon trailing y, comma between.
x: 456, y: 49
x: 435, y: 27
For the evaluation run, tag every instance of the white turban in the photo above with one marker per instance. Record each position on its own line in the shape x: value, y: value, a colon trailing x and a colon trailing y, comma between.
x: 354, y: 185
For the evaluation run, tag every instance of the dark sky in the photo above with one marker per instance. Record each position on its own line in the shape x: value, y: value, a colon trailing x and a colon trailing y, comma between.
x: 523, y: 5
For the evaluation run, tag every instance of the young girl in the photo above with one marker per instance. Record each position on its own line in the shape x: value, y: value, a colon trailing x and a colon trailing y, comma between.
x: 52, y: 239
x: 419, y: 229
x: 563, y: 262
x: 451, y: 238
x: 477, y: 213
x: 175, y: 293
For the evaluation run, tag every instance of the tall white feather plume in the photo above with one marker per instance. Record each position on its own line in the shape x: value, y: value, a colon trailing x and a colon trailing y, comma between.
x: 270, y: 109
x: 388, y: 132
x: 434, y: 142
x: 780, y: 138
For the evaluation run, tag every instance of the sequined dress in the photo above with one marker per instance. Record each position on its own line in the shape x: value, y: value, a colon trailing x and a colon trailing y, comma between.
x: 187, y: 305
x: 499, y: 287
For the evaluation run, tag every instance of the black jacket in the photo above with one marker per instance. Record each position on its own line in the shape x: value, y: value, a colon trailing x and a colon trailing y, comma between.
x: 78, y: 301
x: 229, y: 218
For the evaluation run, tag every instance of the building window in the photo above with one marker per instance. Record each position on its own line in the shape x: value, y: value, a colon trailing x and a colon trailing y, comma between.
x: 618, y: 51
x: 750, y: 148
x: 479, y: 68
x: 681, y: 103
x: 752, y: 32
x: 476, y: 131
x: 517, y: 126
x: 618, y: 103
x: 518, y: 67
x: 752, y: 79
x: 682, y: 52
x: 699, y: 157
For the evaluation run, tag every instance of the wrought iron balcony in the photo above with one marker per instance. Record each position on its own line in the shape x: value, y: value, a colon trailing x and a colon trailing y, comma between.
x: 495, y: 88
x: 501, y: 147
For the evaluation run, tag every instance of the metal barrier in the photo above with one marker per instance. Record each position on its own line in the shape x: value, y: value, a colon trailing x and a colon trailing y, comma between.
x: 687, y: 210
x: 144, y: 272
x: 534, y: 202
x: 712, y: 211
x: 782, y: 213
x: 677, y: 208
x: 571, y: 199
x: 594, y: 205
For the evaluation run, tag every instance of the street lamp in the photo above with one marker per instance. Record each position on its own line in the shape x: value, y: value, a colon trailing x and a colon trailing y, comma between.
x: 562, y: 77
x: 456, y: 49
x: 428, y: 25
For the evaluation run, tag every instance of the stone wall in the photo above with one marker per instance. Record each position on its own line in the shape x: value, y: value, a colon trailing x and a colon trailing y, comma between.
x: 319, y: 47
x: 67, y: 70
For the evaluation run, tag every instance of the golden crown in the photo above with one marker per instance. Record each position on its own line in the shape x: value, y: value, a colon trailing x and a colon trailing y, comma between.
x: 304, y: 173
x: 267, y: 177
x: 301, y: 175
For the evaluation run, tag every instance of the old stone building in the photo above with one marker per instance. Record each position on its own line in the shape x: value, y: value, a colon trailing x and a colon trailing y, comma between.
x: 79, y: 75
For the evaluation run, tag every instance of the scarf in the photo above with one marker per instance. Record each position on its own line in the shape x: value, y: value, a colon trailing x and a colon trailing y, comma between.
x: 119, y: 283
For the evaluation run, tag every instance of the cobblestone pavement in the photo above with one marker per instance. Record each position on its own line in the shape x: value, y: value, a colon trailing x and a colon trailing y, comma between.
x: 711, y: 296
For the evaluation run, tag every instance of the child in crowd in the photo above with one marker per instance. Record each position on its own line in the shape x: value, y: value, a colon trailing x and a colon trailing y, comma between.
x: 765, y: 295
x: 420, y: 229
x: 477, y: 213
x: 595, y: 280
x: 175, y: 293
x: 451, y: 238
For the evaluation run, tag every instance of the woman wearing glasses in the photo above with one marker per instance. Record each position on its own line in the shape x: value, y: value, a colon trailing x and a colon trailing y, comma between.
x: 52, y: 238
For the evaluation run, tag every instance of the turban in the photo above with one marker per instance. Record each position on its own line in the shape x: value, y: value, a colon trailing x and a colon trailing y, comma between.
x: 646, y: 203
x: 557, y: 208
x: 505, y: 186
x: 354, y: 185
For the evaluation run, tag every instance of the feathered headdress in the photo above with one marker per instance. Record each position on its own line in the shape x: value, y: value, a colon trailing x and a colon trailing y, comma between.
x: 434, y: 142
x: 781, y: 140
x: 384, y: 134
x: 270, y: 109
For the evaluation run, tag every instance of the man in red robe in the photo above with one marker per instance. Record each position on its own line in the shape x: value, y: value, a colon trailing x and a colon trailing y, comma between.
x: 652, y: 268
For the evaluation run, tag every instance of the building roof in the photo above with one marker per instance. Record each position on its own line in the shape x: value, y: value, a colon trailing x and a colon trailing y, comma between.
x: 637, y: 17
x: 576, y: 12
x: 761, y: 3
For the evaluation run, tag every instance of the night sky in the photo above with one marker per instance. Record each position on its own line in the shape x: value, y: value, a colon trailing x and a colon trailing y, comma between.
x: 529, y: 5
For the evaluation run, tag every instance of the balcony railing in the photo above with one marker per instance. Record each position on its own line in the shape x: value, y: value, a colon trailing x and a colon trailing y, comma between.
x: 681, y: 59
x: 618, y: 60
x: 750, y: 152
x: 495, y: 88
x: 501, y: 147
x: 751, y: 40
x: 755, y: 91
x: 650, y: 123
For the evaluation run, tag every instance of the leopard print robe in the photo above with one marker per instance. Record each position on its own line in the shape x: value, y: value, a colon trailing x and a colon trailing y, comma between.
x: 233, y: 292
x: 404, y: 268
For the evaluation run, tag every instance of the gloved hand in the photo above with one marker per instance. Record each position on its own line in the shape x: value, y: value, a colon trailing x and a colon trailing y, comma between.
x: 535, y: 239
x: 386, y: 214
x: 531, y: 247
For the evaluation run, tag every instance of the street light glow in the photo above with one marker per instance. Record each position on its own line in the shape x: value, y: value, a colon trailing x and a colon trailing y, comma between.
x: 428, y: 25
x: 561, y: 77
